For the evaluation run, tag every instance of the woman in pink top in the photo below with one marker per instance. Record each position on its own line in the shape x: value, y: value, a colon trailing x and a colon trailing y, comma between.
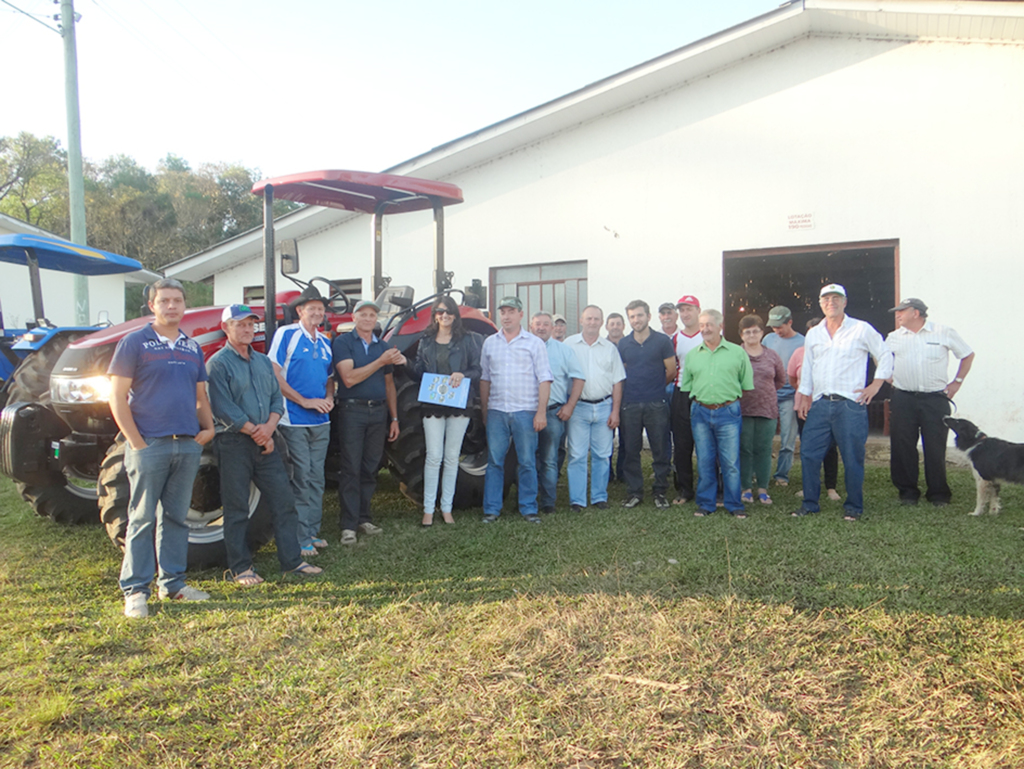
x: 760, y: 408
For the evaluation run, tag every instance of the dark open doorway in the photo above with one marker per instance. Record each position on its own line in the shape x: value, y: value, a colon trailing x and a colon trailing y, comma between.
x: 755, y: 281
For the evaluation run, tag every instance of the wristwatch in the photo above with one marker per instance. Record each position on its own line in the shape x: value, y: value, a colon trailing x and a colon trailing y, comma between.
x: 959, y: 379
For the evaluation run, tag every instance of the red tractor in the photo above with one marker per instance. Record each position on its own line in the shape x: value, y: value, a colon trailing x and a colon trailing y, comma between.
x: 64, y: 422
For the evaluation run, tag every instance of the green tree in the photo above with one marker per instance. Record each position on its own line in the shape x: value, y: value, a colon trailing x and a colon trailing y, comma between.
x: 33, y: 181
x: 156, y: 218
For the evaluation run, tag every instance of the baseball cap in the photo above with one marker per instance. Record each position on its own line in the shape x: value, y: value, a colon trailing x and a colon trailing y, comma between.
x: 688, y: 299
x: 557, y: 318
x: 511, y: 301
x: 778, y: 315
x: 665, y: 307
x: 832, y: 288
x: 237, y: 312
x: 366, y: 303
x: 906, y: 304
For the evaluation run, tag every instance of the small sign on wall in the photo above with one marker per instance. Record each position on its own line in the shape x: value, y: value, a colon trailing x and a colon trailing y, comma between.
x: 800, y: 221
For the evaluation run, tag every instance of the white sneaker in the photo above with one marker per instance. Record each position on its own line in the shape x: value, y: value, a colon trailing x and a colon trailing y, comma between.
x: 135, y: 606
x: 370, y: 529
x: 187, y: 593
x: 348, y: 537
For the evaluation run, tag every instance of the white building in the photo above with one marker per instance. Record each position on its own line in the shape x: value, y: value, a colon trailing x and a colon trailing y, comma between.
x: 106, y: 292
x: 878, y: 144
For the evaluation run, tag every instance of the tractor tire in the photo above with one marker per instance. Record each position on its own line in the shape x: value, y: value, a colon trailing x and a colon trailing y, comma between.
x: 406, y: 454
x: 65, y: 502
x: 205, y: 519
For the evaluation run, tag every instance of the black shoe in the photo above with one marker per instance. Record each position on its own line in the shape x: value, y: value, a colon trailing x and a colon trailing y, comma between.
x: 576, y: 508
x: 531, y: 518
x: 660, y: 502
x: 802, y: 512
x: 632, y: 502
x: 489, y: 518
x: 940, y: 503
x: 547, y: 509
x: 702, y: 513
x: 602, y: 505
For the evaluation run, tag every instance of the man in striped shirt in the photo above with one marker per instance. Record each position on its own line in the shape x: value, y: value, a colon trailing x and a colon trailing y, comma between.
x: 515, y: 383
x: 920, y: 398
x: 302, y: 361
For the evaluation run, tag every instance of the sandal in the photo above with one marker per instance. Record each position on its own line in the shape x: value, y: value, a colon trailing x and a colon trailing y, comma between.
x: 447, y: 517
x: 428, y: 521
x: 747, y: 496
x: 306, y: 569
x: 765, y: 499
x: 319, y: 544
x: 247, y: 578
x: 308, y: 551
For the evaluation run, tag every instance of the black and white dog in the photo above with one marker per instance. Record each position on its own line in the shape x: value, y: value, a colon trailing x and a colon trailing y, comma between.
x: 993, y: 460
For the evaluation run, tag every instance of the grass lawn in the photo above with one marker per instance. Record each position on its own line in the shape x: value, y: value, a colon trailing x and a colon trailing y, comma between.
x: 601, y: 639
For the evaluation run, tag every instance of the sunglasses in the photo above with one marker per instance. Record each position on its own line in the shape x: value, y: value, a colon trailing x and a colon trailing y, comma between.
x: 444, y: 311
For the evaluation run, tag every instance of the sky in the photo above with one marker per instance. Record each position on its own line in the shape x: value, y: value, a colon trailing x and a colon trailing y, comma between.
x: 325, y: 83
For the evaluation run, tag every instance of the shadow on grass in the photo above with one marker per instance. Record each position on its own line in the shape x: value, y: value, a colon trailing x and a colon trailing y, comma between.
x: 935, y: 560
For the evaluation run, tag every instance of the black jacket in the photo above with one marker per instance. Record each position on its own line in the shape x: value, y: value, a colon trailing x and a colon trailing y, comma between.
x: 463, y: 356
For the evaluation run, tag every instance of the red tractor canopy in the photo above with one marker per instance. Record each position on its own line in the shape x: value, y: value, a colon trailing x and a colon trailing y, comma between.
x: 375, y: 194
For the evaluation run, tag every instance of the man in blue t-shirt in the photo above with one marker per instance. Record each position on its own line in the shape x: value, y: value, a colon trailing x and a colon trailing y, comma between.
x: 650, y: 362
x: 301, y: 355
x: 158, y: 399
x: 785, y: 341
x: 366, y: 396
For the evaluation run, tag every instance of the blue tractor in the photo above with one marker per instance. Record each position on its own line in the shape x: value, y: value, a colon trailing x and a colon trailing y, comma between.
x: 61, y: 488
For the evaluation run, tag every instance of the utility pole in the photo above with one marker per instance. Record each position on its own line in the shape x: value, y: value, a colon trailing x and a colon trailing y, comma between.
x: 76, y: 184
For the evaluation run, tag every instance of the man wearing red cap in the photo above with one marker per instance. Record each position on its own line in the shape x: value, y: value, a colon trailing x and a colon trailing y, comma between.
x: 684, y: 340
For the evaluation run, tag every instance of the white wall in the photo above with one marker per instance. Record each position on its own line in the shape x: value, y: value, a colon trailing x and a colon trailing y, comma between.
x: 877, y: 139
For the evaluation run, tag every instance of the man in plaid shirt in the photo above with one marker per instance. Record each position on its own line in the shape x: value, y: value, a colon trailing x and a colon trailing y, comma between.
x: 514, y: 387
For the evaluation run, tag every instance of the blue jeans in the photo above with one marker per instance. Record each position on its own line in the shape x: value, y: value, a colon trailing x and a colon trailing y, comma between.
x: 846, y: 423
x: 443, y: 437
x: 160, y: 477
x: 787, y: 439
x: 589, y: 436
x: 242, y: 463
x: 307, y: 452
x: 716, y: 436
x: 549, y: 441
x: 517, y: 427
x: 652, y: 416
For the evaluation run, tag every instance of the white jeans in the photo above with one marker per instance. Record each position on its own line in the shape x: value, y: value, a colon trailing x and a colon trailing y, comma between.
x: 443, y: 436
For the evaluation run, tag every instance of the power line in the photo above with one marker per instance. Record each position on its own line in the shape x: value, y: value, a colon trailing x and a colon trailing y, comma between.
x: 26, y: 13
x: 175, y: 31
x: 152, y: 46
x: 212, y: 34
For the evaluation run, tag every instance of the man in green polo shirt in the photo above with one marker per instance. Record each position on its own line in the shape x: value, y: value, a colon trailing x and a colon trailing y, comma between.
x: 716, y: 373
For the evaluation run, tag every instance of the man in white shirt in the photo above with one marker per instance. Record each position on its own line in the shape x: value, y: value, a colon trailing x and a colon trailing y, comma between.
x: 833, y: 397
x: 685, y: 340
x: 920, y: 398
x: 597, y: 412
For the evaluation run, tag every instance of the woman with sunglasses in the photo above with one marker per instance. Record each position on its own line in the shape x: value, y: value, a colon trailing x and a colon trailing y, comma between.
x: 447, y: 348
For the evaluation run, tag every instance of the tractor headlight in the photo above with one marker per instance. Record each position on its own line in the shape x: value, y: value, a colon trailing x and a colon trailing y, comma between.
x: 92, y: 389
